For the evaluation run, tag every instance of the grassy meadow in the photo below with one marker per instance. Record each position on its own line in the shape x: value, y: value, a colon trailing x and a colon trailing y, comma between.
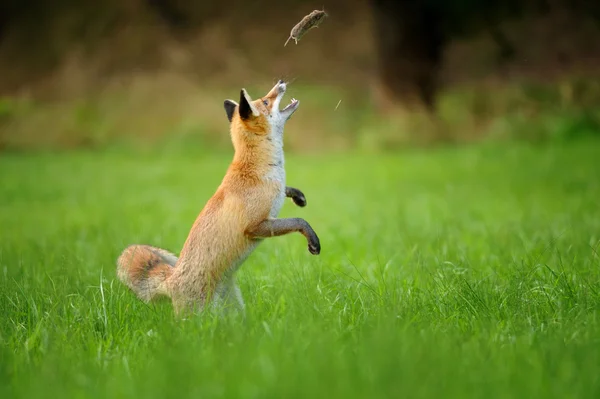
x: 458, y: 272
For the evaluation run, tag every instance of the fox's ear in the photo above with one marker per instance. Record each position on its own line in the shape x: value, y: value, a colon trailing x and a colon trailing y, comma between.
x: 247, y: 109
x: 230, y: 108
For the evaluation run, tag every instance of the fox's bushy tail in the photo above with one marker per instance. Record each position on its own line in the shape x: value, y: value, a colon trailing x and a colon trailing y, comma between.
x: 145, y: 270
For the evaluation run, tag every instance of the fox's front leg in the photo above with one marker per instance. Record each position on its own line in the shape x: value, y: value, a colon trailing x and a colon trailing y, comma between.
x: 296, y: 195
x: 279, y: 227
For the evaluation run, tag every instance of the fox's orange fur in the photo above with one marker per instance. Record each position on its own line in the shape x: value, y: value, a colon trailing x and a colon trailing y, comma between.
x: 235, y: 219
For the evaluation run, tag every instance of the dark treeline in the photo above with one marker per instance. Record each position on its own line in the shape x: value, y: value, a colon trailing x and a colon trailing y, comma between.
x: 410, y: 36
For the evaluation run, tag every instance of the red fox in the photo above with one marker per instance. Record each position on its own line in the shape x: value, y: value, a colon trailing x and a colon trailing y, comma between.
x: 242, y: 212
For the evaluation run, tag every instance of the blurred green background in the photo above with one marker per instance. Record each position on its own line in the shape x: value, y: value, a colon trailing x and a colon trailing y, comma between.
x: 145, y: 72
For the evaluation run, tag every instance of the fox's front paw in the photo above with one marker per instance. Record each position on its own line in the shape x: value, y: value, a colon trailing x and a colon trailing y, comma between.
x: 296, y: 195
x: 299, y: 200
x: 314, y: 246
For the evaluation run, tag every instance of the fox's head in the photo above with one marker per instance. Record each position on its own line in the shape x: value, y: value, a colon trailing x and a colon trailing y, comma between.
x: 261, y: 116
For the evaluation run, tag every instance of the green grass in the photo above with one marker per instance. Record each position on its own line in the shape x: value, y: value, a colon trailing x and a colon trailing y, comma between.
x: 467, y: 272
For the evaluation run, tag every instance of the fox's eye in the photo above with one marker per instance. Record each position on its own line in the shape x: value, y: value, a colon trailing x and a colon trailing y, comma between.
x: 266, y: 102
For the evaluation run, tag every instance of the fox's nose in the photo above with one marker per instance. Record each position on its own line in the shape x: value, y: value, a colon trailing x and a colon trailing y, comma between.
x: 281, y: 88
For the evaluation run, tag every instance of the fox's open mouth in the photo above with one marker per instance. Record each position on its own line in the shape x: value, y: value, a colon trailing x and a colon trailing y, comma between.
x: 292, y: 104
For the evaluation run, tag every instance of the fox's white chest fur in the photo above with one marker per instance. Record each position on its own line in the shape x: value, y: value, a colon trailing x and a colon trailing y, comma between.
x: 278, y: 175
x: 276, y: 172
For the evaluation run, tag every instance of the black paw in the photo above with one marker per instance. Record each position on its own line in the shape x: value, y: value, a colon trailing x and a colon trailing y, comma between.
x: 314, y: 247
x: 299, y: 200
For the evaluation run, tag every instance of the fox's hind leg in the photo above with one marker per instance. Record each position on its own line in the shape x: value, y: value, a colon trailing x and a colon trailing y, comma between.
x: 145, y: 270
x: 236, y: 297
x: 228, y: 296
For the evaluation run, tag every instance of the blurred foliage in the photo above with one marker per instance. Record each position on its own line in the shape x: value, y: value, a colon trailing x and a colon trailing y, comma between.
x: 534, y: 112
x: 142, y: 72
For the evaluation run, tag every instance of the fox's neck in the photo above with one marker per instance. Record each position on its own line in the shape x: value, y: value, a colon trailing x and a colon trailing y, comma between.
x: 260, y: 156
